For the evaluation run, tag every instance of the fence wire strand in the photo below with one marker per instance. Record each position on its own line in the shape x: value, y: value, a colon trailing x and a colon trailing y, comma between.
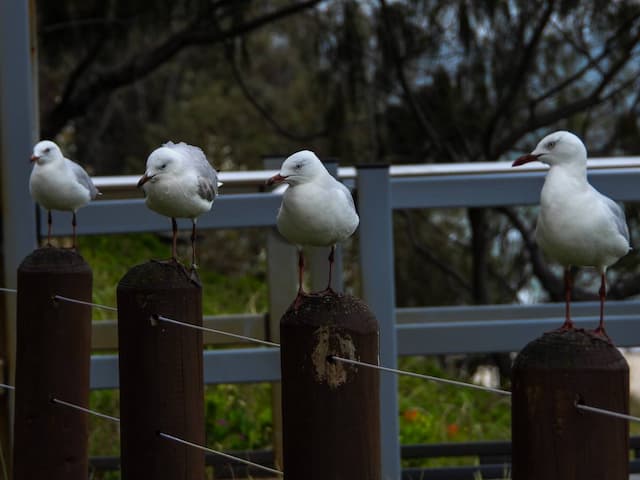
x: 8, y: 290
x: 82, y: 302
x: 608, y: 413
x: 222, y: 454
x: 7, y: 387
x: 213, y: 330
x: 419, y: 375
x: 85, y: 410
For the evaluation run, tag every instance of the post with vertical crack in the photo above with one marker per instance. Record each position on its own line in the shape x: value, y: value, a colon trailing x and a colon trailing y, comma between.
x: 160, y: 364
x: 52, y: 361
x: 330, y: 410
x: 551, y: 437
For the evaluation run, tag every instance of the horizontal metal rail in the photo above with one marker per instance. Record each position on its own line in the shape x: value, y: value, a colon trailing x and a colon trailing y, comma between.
x: 468, y: 185
x: 462, y: 330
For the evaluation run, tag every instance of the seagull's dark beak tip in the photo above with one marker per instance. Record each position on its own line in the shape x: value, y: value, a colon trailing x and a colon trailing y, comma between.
x: 276, y: 179
x: 33, y: 158
x: 524, y: 159
x: 143, y: 180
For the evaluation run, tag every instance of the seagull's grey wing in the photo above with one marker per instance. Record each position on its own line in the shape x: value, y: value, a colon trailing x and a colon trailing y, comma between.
x: 196, y: 159
x: 342, y: 188
x: 83, y: 178
x: 618, y: 215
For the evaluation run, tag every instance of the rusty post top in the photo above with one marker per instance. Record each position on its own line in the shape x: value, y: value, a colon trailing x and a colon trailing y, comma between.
x: 59, y: 260
x: 568, y: 350
x: 159, y: 275
x: 338, y: 310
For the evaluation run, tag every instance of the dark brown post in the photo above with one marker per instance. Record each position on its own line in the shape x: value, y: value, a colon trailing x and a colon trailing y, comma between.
x: 552, y: 439
x: 52, y: 360
x: 161, y: 382
x: 331, y: 410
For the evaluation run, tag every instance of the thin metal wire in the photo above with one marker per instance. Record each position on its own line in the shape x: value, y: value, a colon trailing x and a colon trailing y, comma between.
x: 81, y: 302
x: 85, y: 410
x: 420, y: 375
x: 8, y: 290
x: 222, y: 454
x: 213, y: 330
x: 608, y: 413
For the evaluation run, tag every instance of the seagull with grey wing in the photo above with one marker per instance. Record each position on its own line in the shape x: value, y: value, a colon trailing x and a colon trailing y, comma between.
x: 58, y: 183
x: 577, y: 225
x: 179, y: 182
x: 316, y: 210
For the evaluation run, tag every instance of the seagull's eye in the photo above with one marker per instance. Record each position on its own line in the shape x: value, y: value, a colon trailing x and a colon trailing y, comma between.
x: 47, y: 150
x: 163, y: 166
x: 298, y: 166
x: 551, y: 144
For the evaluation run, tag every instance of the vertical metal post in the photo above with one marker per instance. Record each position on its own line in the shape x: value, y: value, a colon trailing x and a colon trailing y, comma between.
x: 282, y: 281
x: 161, y: 380
x: 331, y: 410
x: 53, y: 357
x: 18, y: 130
x: 551, y: 437
x: 378, y: 291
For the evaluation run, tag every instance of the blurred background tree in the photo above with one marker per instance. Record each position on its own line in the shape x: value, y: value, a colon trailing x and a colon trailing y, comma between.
x: 415, y: 81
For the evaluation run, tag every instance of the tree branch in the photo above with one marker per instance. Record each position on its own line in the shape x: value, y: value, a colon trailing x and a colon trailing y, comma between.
x: 146, y: 62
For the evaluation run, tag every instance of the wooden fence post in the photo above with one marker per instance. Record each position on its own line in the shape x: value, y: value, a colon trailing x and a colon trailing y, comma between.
x: 52, y: 361
x: 161, y: 381
x: 331, y: 410
x: 552, y: 439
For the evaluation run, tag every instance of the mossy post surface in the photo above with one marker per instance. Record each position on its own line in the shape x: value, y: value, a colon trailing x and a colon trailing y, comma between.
x: 552, y: 439
x: 331, y: 410
x: 52, y: 361
x: 161, y: 382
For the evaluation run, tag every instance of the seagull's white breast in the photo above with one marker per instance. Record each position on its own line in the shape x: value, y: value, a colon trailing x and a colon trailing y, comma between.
x: 176, y: 196
x: 54, y: 187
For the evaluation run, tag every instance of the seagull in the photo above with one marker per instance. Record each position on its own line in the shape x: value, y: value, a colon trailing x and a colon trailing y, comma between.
x: 179, y: 182
x: 316, y: 210
x: 577, y: 225
x: 58, y: 183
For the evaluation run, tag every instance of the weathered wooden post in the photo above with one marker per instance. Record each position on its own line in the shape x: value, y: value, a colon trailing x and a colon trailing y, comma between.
x: 331, y: 410
x: 552, y: 439
x: 161, y: 381
x: 52, y: 361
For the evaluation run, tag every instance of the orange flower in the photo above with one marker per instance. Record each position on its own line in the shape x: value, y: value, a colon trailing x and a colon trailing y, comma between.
x: 452, y: 429
x: 411, y: 414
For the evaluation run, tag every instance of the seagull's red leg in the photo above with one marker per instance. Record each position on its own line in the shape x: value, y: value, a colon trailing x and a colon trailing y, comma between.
x: 174, y: 240
x: 49, y: 223
x: 73, y: 224
x: 301, y: 292
x: 568, y: 285
x: 193, y: 244
x: 603, y: 293
x: 332, y: 257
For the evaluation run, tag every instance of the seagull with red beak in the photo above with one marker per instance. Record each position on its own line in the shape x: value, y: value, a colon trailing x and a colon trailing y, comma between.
x: 577, y: 225
x: 316, y: 210
x: 58, y: 183
x: 179, y: 182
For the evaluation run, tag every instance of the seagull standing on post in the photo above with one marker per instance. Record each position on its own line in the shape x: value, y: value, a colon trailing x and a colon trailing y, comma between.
x: 179, y: 182
x: 577, y: 225
x: 57, y: 183
x: 317, y: 210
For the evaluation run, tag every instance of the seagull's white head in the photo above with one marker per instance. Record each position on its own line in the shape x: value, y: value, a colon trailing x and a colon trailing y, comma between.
x: 557, y: 148
x: 163, y: 161
x: 301, y: 167
x: 46, y: 152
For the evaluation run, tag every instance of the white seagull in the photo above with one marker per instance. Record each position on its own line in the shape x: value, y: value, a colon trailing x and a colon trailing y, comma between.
x: 577, y: 225
x: 316, y: 210
x: 57, y: 183
x: 179, y: 182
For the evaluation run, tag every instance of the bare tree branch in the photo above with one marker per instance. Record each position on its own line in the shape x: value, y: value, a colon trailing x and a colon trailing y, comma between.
x: 262, y: 110
x: 148, y: 61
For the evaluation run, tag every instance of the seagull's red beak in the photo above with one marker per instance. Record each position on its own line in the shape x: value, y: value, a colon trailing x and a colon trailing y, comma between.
x: 33, y: 158
x: 145, y: 178
x: 276, y: 179
x: 525, y: 159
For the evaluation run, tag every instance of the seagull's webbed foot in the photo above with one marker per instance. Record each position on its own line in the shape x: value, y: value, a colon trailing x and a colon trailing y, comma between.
x: 567, y: 326
x: 299, y: 299
x: 601, y: 333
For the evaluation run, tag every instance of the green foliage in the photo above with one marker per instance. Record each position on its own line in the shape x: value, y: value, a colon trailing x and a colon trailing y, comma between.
x: 437, y: 413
